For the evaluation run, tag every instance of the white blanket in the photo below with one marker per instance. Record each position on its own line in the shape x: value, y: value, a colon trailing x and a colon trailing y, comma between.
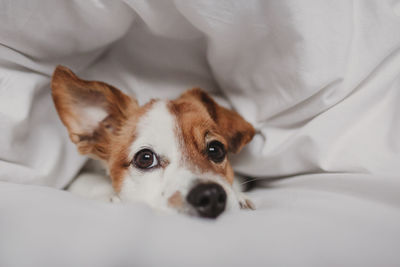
x: 320, y: 80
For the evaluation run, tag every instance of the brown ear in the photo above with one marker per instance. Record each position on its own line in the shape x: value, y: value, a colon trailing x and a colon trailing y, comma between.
x: 236, y: 130
x: 92, y: 111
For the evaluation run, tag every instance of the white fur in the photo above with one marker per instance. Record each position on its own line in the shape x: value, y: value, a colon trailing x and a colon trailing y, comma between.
x: 91, y: 116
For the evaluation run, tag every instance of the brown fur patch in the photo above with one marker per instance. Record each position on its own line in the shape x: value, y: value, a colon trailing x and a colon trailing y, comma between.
x: 71, y: 93
x: 110, y: 139
x: 201, y: 119
x: 119, y: 161
x: 176, y: 200
x: 237, y: 131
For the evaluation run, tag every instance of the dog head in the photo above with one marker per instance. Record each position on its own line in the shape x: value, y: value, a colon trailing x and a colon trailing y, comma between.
x: 170, y: 154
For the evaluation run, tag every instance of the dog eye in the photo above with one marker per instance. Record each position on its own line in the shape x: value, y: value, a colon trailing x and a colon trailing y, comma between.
x: 216, y: 151
x: 145, y: 159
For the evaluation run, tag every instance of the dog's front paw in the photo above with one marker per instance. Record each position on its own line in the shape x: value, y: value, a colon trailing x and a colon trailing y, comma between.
x: 115, y: 199
x: 246, y: 203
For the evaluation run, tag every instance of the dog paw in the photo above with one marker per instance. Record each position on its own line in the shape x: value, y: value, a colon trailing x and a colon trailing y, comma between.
x: 115, y: 199
x: 246, y: 203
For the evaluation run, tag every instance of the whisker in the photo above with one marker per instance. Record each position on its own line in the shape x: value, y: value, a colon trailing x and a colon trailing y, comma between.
x: 248, y: 181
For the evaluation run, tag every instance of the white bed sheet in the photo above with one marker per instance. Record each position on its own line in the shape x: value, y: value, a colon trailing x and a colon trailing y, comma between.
x: 311, y: 220
x: 320, y: 81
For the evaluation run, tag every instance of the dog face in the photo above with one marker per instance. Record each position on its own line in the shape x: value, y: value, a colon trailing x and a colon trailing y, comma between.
x: 171, y: 155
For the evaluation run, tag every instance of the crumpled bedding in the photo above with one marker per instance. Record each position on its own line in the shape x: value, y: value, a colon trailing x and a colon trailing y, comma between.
x: 309, y: 220
x: 319, y: 80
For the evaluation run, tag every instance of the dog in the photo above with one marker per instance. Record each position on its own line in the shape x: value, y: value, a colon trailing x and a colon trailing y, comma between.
x: 170, y: 154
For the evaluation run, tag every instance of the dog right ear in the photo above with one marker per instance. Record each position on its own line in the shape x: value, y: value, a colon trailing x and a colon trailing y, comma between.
x: 92, y: 111
x: 236, y: 130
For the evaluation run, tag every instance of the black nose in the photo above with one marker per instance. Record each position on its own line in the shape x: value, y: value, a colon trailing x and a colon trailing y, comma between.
x: 208, y: 199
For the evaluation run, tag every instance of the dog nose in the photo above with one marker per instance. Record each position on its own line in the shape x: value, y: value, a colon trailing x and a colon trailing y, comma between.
x: 208, y: 199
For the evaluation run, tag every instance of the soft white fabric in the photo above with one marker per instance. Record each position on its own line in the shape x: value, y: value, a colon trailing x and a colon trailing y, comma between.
x: 315, y: 220
x: 320, y: 80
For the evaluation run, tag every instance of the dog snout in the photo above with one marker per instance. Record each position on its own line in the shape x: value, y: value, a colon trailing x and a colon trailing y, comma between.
x: 209, y: 199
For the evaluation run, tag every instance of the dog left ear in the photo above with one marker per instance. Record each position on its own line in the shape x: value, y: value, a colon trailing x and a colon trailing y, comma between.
x: 92, y: 111
x: 236, y: 130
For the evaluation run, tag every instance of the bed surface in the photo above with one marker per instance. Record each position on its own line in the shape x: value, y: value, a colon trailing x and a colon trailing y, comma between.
x: 310, y: 220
